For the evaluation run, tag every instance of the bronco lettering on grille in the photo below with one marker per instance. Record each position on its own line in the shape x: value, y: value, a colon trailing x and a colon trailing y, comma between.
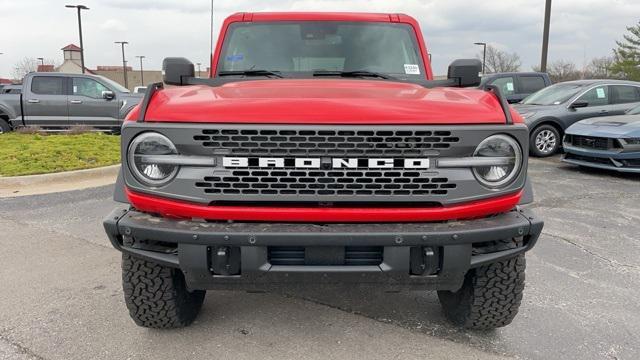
x: 329, y: 163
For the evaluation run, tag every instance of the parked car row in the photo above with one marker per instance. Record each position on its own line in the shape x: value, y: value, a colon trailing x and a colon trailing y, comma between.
x: 550, y: 111
x: 596, y: 122
x: 55, y: 101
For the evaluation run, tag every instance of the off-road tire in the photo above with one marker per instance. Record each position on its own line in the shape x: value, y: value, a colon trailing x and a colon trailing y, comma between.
x: 490, y: 296
x: 157, y: 296
x: 4, y: 126
x: 533, y: 149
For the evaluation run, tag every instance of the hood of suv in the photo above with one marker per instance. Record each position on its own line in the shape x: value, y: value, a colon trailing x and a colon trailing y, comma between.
x: 325, y: 101
x: 535, y: 111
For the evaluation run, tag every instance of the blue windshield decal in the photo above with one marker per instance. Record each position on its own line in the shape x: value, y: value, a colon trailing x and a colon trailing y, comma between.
x: 236, y: 57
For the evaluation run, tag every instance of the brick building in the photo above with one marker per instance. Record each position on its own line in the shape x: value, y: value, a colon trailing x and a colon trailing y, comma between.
x: 72, y: 64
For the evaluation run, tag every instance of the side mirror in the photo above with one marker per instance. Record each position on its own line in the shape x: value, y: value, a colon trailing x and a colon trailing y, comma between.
x: 466, y: 72
x: 108, y: 95
x: 579, y: 104
x: 175, y: 70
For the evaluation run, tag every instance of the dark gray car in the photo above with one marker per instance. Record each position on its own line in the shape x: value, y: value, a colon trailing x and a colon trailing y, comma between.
x: 550, y: 111
x: 516, y: 86
x: 57, y: 101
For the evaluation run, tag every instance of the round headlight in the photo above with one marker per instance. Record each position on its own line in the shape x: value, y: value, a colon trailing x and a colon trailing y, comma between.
x: 145, y: 152
x: 509, y: 155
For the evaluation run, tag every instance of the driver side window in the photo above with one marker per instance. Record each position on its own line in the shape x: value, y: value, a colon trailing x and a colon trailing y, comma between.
x: 88, y: 87
x: 597, y: 96
x: 506, y: 85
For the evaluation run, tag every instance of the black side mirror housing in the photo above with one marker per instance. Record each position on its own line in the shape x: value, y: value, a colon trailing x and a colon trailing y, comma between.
x: 466, y: 72
x: 108, y: 95
x: 175, y: 70
x: 579, y: 104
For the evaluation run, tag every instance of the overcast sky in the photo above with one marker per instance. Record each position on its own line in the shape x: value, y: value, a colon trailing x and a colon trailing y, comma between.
x: 580, y: 29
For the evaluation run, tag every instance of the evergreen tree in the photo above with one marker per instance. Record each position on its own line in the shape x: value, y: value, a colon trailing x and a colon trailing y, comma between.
x: 627, y: 55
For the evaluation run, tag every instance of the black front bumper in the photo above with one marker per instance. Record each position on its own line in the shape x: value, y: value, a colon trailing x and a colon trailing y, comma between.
x: 193, y: 247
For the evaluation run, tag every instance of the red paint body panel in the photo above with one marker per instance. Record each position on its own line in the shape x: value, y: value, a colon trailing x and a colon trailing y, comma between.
x: 324, y: 101
x: 185, y: 210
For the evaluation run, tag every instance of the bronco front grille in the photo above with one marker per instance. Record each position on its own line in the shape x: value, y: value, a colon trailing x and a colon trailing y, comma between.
x: 310, y: 142
x: 325, y: 184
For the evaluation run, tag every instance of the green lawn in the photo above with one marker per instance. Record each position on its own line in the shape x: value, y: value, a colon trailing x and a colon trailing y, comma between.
x: 28, y: 154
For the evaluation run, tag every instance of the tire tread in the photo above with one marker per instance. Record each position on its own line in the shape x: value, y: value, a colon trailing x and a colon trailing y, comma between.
x: 156, y: 295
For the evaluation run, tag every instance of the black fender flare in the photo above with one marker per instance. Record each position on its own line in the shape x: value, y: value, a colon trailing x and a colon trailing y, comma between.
x: 119, y: 194
x: 527, y: 192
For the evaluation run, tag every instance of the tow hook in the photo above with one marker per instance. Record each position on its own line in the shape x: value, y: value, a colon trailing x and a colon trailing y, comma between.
x: 225, y: 261
x: 424, y: 261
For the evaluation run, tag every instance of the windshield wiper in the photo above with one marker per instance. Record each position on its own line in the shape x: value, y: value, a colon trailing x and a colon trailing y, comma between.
x: 251, y: 73
x: 356, y: 73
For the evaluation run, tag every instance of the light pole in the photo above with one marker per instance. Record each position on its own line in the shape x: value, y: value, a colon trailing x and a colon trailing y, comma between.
x: 545, y: 36
x: 484, y: 54
x: 80, y: 8
x: 141, y: 70
x: 124, y: 62
x: 198, y: 68
x: 41, y: 61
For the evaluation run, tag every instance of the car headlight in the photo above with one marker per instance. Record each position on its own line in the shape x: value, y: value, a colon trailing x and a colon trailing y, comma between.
x: 499, y: 175
x: 144, y: 157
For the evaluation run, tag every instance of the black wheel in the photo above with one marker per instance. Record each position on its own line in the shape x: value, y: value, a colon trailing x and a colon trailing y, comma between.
x: 544, y: 141
x: 490, y: 296
x: 157, y: 296
x: 4, y: 126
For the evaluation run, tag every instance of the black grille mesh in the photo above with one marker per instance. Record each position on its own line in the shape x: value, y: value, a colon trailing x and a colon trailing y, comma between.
x: 325, y: 182
x: 353, y: 255
x: 592, y: 142
x: 296, y: 142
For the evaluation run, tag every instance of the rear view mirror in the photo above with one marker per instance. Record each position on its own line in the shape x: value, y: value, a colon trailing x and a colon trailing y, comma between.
x: 579, y: 104
x: 466, y: 72
x: 108, y: 95
x: 175, y: 70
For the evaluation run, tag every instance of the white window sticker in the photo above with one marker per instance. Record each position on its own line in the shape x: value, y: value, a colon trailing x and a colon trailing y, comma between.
x: 411, y: 69
x: 600, y: 93
x: 509, y: 86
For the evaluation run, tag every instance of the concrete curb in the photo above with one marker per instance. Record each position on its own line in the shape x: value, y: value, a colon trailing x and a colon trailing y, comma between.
x: 57, y: 182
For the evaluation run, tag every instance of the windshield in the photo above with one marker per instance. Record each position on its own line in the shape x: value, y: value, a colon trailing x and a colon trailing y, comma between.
x: 296, y: 48
x: 114, y: 85
x: 553, y: 95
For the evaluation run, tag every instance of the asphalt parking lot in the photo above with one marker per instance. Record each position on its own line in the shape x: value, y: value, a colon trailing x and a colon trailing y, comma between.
x: 61, y: 297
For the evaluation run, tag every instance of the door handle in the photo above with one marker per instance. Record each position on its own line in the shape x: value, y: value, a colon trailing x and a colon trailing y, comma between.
x: 33, y: 101
x: 604, y: 111
x: 76, y: 101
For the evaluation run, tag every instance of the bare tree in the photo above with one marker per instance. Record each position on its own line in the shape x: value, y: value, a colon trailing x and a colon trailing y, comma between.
x: 500, y: 61
x: 27, y: 65
x: 23, y: 67
x: 600, y: 68
x: 562, y: 70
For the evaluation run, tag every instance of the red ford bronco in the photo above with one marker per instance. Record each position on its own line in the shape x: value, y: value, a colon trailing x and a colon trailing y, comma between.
x: 321, y: 151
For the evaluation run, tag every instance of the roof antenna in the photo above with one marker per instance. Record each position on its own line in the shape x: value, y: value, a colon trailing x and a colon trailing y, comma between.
x: 211, y: 43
